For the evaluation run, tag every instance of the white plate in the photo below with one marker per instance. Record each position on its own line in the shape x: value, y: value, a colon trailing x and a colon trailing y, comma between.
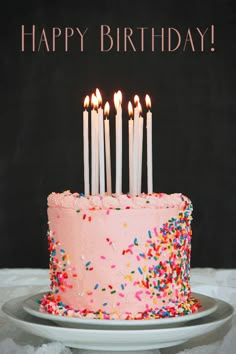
x: 32, y: 307
x: 123, y: 338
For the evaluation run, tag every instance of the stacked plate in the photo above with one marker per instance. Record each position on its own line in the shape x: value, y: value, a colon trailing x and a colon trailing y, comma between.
x: 118, y: 335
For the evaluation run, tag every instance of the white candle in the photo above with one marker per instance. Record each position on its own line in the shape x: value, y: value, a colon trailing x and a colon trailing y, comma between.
x: 96, y: 154
x: 118, y: 100
x: 94, y: 147
x: 140, y: 151
x: 135, y: 146
x: 107, y: 148
x: 101, y: 144
x: 149, y: 147
x: 131, y: 141
x: 86, y: 146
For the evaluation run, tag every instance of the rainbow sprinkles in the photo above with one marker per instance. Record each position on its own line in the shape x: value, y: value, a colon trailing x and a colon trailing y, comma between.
x: 137, y: 269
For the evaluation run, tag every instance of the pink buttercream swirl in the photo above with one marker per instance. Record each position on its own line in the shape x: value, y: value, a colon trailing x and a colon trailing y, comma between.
x: 154, y: 201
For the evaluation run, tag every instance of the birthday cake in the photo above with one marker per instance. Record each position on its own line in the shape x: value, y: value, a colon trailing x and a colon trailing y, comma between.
x: 119, y: 257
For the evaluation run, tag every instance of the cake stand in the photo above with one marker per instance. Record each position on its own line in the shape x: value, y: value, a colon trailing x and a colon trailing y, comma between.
x: 120, y: 338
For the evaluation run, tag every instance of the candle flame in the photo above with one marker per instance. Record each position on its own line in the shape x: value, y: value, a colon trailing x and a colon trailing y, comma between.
x: 130, y: 109
x: 86, y: 102
x: 148, y: 101
x: 99, y: 97
x: 136, y: 100
x: 94, y: 101
x: 119, y: 94
x: 139, y: 108
x: 106, y: 109
x: 116, y: 100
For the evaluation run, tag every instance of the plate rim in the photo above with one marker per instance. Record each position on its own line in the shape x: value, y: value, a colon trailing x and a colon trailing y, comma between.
x: 154, y: 330
x: 136, y: 323
x: 106, y: 339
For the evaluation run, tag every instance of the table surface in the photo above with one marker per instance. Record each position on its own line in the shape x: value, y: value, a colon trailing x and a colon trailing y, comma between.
x: 218, y: 283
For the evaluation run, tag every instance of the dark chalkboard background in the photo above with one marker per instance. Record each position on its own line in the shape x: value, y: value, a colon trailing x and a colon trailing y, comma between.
x: 193, y: 95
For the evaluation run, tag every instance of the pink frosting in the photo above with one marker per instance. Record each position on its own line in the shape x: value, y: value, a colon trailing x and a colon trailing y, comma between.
x: 77, y: 201
x: 114, y: 243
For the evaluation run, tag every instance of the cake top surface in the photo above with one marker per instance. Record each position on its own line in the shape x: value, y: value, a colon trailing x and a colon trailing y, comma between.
x: 76, y: 201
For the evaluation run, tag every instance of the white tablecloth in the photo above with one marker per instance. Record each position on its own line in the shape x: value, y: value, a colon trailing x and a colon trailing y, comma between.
x: 219, y: 283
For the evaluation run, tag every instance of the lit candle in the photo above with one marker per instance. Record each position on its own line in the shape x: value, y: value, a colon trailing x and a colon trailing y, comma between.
x: 107, y: 148
x: 94, y: 147
x: 149, y: 146
x: 140, y: 149
x: 86, y: 146
x: 135, y: 145
x: 118, y: 101
x: 101, y: 144
x: 131, y: 141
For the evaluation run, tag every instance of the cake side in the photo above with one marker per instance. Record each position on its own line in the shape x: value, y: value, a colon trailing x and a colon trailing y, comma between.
x: 119, y: 257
